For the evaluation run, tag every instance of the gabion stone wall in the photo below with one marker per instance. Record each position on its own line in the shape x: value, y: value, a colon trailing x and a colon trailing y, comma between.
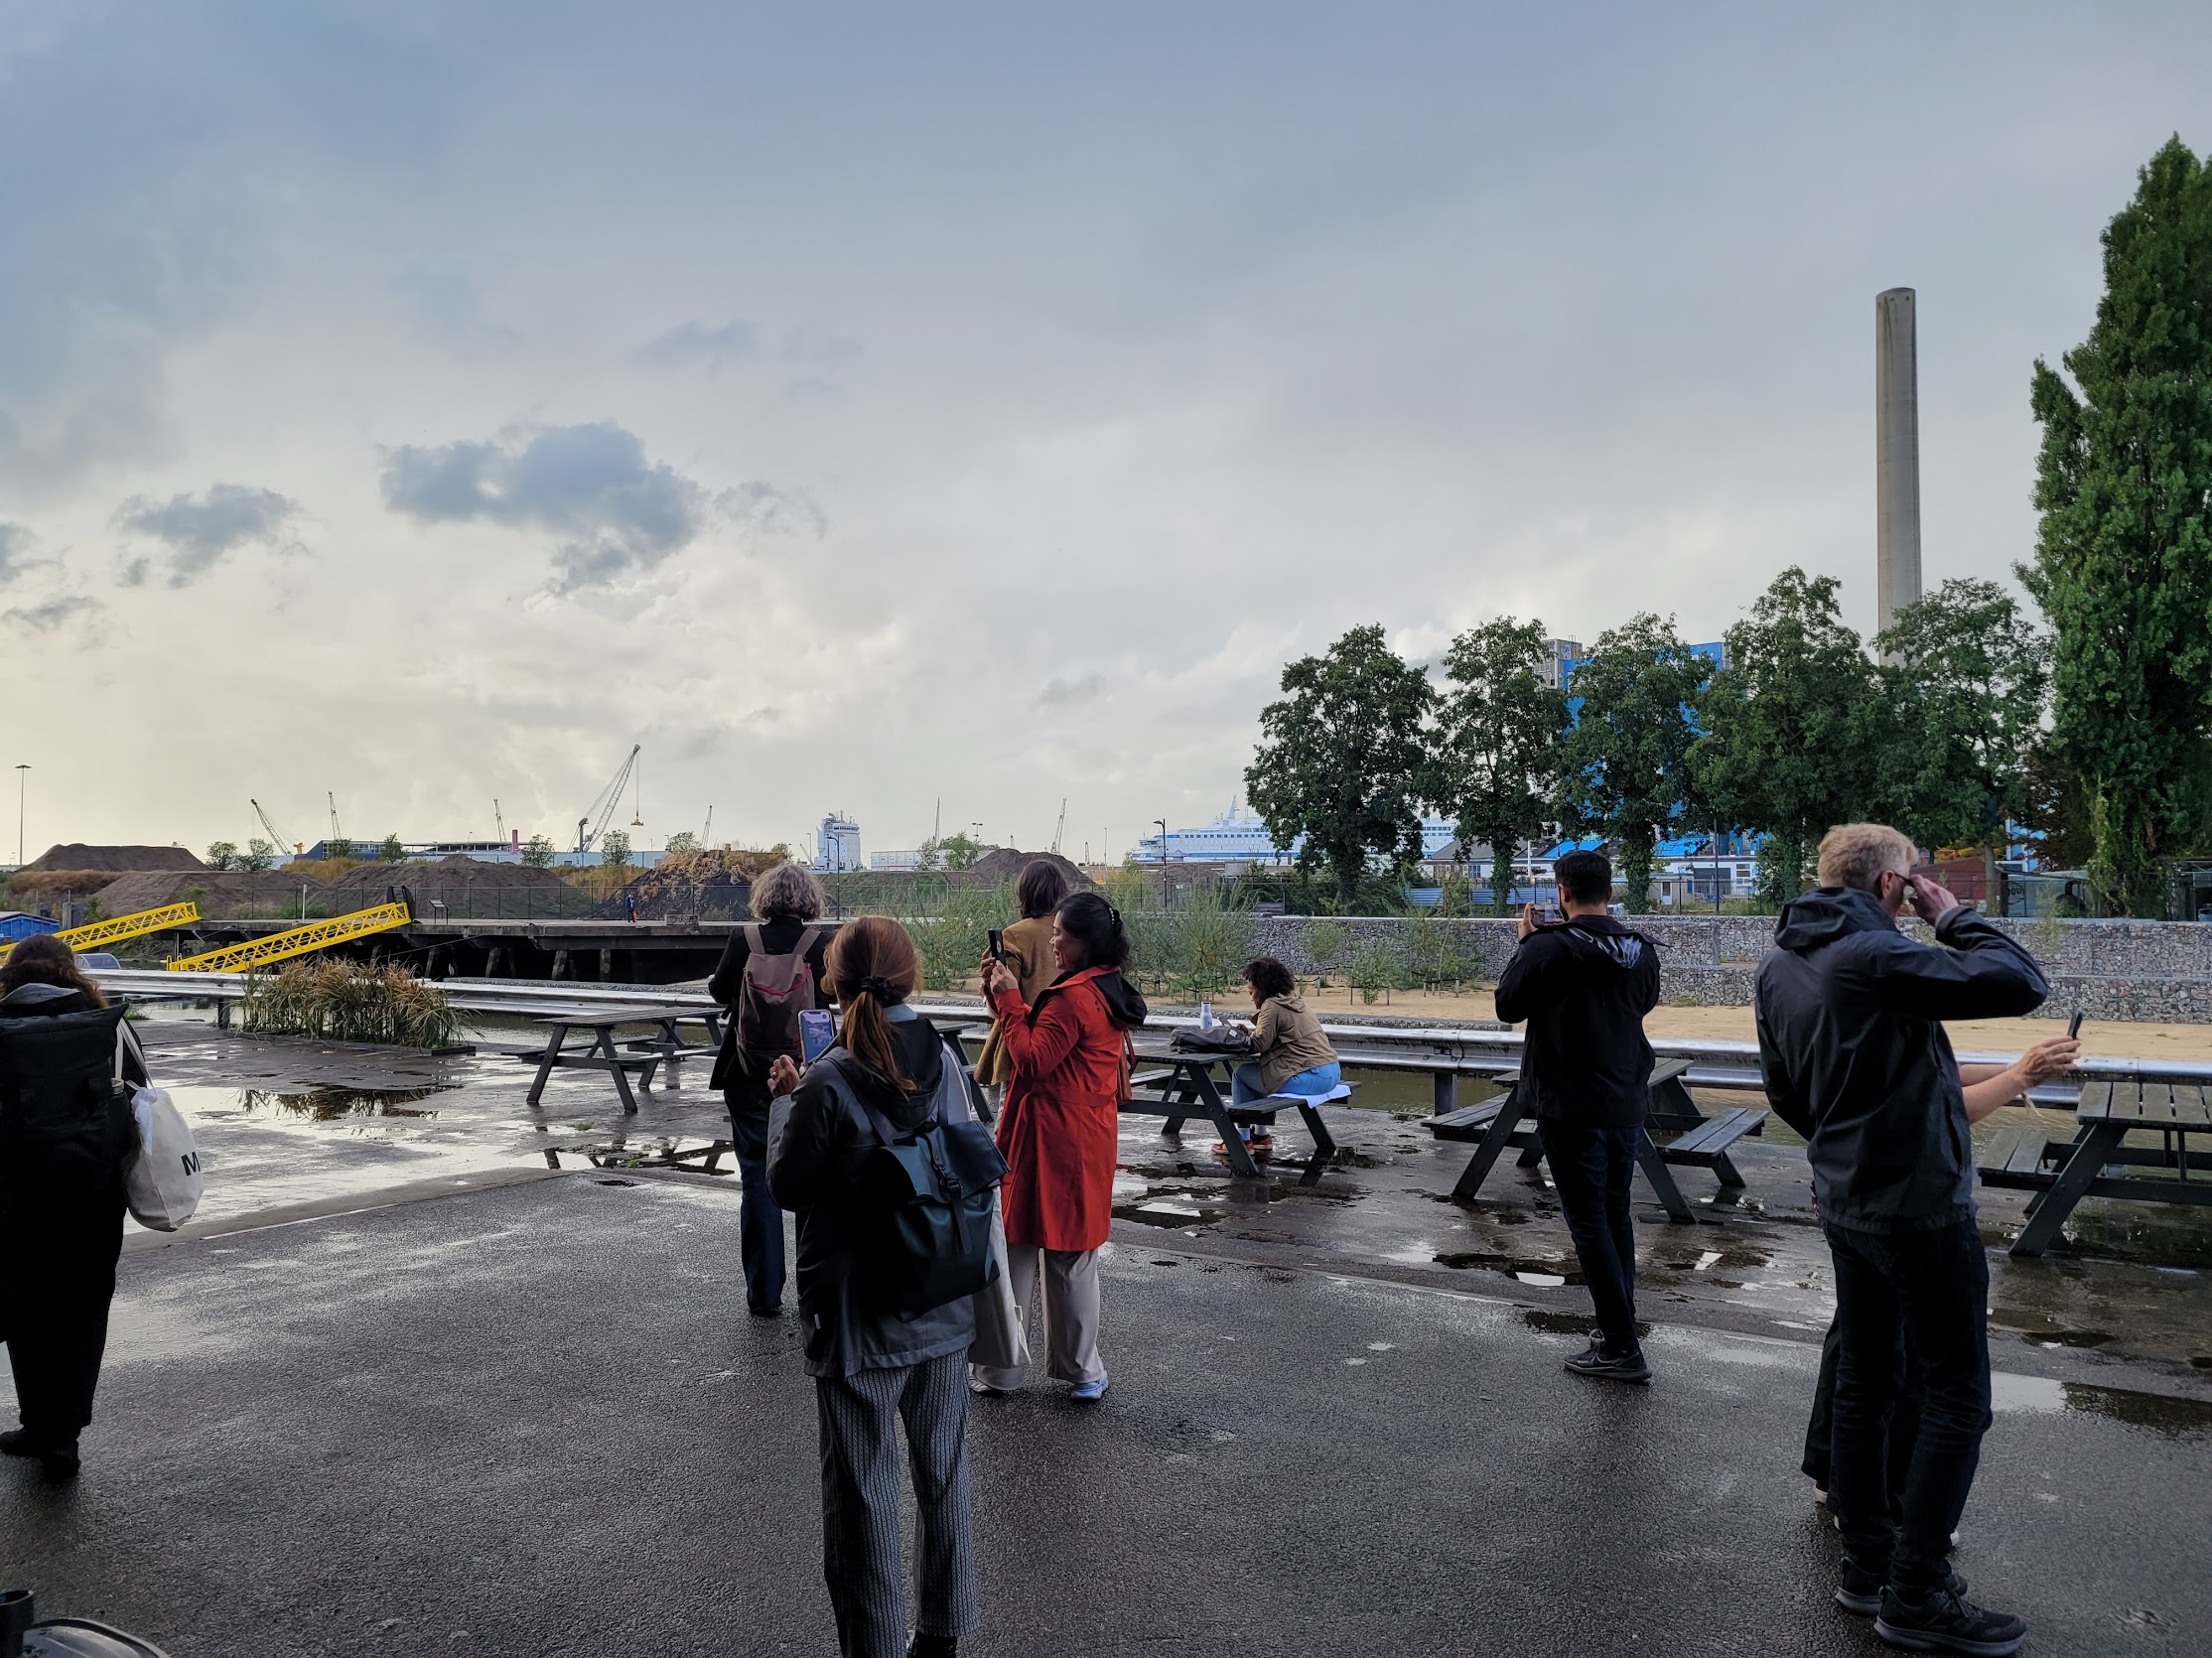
x: 2115, y: 971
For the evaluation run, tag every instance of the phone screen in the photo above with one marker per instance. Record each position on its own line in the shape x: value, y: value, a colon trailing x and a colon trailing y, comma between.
x: 817, y: 1031
x: 2073, y: 1026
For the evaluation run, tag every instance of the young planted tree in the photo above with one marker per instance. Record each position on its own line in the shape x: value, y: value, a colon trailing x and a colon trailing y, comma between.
x: 1343, y: 759
x: 1969, y: 680
x: 538, y: 851
x: 258, y: 855
x: 223, y: 854
x: 393, y: 850
x: 1624, y: 765
x: 2123, y: 564
x: 1794, y: 728
x: 1500, y: 727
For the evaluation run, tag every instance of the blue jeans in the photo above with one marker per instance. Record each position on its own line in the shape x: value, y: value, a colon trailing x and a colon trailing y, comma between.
x: 760, y: 1221
x: 1930, y: 1291
x: 1593, y: 1167
x: 1245, y: 1085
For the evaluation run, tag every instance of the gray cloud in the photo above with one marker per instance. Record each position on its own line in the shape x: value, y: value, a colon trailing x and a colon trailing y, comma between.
x: 590, y: 484
x: 711, y: 348
x: 200, y: 530
x: 46, y: 616
x: 15, y: 545
x: 1060, y: 692
x: 775, y: 511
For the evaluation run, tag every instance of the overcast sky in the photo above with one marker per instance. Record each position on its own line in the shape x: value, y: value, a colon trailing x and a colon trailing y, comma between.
x: 862, y: 405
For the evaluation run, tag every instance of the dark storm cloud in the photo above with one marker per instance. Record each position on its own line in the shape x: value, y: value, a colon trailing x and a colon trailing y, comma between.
x: 199, y: 530
x: 711, y: 348
x: 591, y: 485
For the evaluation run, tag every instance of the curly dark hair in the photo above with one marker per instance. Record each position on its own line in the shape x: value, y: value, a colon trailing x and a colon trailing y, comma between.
x: 1268, y: 977
x: 42, y: 959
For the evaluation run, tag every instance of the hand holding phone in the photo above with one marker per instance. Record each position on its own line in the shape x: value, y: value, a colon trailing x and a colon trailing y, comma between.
x: 998, y: 945
x: 2073, y: 1027
x: 817, y: 1033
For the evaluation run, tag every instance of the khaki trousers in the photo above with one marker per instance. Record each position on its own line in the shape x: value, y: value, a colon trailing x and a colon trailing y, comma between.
x: 1071, y: 1315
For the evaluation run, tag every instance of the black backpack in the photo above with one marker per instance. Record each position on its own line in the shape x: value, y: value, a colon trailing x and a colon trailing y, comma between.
x: 925, y: 1216
x: 66, y: 1123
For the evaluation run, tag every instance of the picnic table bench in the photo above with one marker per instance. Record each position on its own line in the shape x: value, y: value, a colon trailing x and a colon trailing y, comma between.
x: 605, y: 1051
x: 1699, y: 1142
x: 1183, y: 1086
x: 2093, y: 1163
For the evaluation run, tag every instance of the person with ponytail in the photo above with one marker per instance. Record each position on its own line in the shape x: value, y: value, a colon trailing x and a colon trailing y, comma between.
x: 873, y: 1367
x: 1067, y: 1057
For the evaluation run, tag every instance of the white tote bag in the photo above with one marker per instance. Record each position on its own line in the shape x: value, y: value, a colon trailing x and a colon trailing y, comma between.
x: 999, y: 1341
x: 162, y: 1185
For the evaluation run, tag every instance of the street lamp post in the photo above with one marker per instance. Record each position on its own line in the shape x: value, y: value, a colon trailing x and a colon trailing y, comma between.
x: 22, y: 794
x: 1163, y: 822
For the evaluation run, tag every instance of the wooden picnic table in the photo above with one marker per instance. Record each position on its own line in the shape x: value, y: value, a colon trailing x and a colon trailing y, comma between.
x: 1699, y: 1142
x: 605, y: 1051
x: 1186, y: 1088
x: 2062, y: 1173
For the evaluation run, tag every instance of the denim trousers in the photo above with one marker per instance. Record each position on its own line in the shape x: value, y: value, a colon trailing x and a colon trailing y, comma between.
x: 1927, y: 1292
x: 1245, y: 1085
x: 1593, y: 1165
x: 760, y: 1221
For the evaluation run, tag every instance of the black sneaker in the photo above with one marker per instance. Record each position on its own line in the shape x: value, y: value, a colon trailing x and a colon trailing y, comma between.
x: 1947, y: 1621
x: 1858, y: 1588
x: 933, y: 1646
x: 1608, y: 1364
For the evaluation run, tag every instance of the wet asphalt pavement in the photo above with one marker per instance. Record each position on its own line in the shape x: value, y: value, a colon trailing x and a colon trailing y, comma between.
x: 530, y: 1419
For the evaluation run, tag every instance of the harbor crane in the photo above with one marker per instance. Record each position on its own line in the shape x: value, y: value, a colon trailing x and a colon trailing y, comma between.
x: 593, y: 823
x: 1059, y: 828
x: 277, y: 837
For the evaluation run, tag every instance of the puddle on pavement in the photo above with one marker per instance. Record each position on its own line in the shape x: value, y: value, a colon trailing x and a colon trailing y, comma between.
x: 1567, y: 1324
x: 1168, y: 1210
x: 327, y: 1105
x: 1539, y: 1273
x: 2159, y: 1412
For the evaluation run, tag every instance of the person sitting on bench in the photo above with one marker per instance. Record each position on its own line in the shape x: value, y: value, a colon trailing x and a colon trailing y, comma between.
x: 1290, y: 1053
x: 1585, y: 985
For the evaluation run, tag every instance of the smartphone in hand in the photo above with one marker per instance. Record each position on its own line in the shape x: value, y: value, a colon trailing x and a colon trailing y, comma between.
x: 1550, y: 916
x: 2073, y: 1027
x: 997, y: 946
x: 817, y: 1031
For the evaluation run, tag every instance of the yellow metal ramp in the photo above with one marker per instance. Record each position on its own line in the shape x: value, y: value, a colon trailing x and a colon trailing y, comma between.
x: 94, y: 935
x: 298, y: 941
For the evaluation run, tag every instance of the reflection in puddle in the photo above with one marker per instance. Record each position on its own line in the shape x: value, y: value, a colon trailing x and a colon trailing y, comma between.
x: 2158, y: 1412
x: 327, y: 1105
x: 1547, y: 1275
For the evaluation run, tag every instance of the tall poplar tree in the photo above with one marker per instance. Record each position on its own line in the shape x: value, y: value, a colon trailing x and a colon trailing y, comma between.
x: 1498, y: 743
x: 1624, y: 768
x: 2123, y: 564
x: 1343, y: 758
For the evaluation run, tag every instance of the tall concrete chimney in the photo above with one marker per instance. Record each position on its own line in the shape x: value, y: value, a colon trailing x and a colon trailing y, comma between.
x: 1897, y: 454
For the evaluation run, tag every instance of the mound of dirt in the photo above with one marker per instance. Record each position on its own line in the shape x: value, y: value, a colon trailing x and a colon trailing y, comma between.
x: 1005, y: 863
x: 29, y: 886
x: 77, y: 856
x: 449, y: 875
x: 218, y: 891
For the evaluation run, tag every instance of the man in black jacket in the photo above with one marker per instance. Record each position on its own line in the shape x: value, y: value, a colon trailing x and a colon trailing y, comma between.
x: 1585, y: 987
x: 1855, y: 1059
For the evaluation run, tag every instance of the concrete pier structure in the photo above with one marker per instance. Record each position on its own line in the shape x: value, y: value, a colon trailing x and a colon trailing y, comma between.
x: 1897, y: 454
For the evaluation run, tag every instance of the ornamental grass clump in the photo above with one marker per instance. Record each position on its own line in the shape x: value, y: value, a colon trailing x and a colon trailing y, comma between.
x: 346, y: 1002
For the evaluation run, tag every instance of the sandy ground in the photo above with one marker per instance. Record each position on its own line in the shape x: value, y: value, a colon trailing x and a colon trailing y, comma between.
x: 2003, y: 1036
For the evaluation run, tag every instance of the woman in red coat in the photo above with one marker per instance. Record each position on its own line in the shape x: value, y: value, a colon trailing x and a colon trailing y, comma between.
x: 1059, y: 1130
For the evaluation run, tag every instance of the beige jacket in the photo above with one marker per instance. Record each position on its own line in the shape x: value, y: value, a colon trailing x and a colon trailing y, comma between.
x: 1030, y: 945
x: 1286, y: 1039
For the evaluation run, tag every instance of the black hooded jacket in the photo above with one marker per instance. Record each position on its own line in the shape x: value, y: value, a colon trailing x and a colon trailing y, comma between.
x: 1585, y: 987
x: 1855, y: 1059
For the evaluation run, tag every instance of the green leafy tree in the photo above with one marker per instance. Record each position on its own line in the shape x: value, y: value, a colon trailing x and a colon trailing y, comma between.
x: 1342, y: 757
x: 1500, y: 727
x: 223, y: 854
x: 2123, y: 564
x: 336, y: 847
x: 613, y: 850
x: 393, y: 851
x: 683, y: 840
x: 1795, y: 728
x: 258, y: 855
x: 1968, y: 680
x: 1624, y: 766
x: 538, y: 851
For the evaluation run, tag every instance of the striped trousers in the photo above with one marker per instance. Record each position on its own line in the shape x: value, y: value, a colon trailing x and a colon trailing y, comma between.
x: 860, y: 1502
